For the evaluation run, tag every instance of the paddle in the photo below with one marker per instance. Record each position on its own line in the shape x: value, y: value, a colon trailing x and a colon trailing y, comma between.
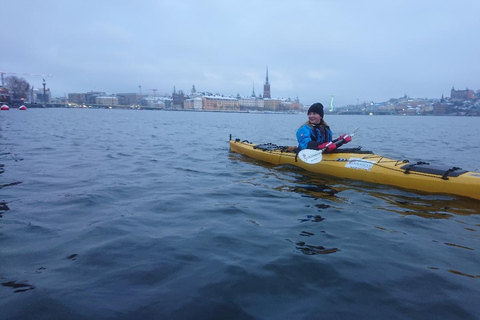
x: 311, y: 156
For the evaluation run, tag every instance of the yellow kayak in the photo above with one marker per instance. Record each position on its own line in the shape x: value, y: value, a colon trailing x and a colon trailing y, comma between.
x: 366, y: 166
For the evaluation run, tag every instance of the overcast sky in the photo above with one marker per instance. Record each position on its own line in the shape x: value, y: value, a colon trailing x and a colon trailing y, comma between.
x: 356, y: 50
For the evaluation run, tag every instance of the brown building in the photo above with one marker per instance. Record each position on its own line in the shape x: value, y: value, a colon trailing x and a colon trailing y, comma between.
x: 461, y: 94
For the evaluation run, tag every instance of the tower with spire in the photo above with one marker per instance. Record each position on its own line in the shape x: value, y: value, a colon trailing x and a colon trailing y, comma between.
x: 266, y: 88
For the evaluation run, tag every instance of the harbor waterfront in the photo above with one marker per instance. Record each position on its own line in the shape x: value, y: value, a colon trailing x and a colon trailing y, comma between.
x: 124, y: 214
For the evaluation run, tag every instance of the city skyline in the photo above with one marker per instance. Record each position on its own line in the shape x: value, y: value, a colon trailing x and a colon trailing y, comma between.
x: 265, y: 86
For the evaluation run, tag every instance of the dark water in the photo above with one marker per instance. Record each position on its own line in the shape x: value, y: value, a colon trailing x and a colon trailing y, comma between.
x: 147, y: 215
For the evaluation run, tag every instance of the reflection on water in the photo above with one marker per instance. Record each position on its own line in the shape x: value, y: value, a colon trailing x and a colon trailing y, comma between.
x: 312, y: 250
x: 427, y: 206
x: 17, y: 286
x: 314, y: 191
x: 3, y: 204
x: 464, y: 274
x: 312, y: 218
x: 3, y: 208
x: 404, y: 202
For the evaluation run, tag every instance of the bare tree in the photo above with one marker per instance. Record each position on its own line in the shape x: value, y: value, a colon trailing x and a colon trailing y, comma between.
x: 18, y: 87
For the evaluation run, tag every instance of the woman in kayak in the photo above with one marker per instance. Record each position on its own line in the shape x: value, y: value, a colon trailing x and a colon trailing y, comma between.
x: 315, y: 133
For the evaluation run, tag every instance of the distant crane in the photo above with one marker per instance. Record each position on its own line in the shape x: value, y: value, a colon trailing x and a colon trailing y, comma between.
x: 23, y: 74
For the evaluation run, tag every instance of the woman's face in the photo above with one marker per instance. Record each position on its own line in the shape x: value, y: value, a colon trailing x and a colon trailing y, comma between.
x: 314, y: 118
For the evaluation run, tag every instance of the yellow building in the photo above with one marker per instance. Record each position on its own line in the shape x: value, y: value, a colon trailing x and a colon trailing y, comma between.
x: 219, y: 103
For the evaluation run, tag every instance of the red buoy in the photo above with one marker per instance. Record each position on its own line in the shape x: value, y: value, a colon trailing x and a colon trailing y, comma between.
x: 22, y: 108
x: 5, y: 107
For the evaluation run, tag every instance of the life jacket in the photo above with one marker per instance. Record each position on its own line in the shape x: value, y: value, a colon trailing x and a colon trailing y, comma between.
x: 308, y: 134
x: 321, y: 129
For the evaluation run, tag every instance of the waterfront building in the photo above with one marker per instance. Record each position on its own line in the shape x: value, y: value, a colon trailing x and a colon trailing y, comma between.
x: 153, y: 102
x: 219, y: 103
x: 78, y: 98
x: 461, y: 94
x: 178, y: 98
x: 91, y: 97
x: 130, y: 99
x: 193, y: 104
x: 251, y: 104
x: 107, y: 100
x: 272, y: 104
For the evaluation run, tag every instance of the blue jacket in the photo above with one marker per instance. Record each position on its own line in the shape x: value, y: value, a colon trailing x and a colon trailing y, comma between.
x: 310, y: 137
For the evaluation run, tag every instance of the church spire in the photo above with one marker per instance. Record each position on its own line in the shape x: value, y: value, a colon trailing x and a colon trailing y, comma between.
x: 266, y: 88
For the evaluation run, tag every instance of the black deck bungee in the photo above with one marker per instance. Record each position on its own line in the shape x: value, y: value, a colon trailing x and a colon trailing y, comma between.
x: 271, y: 147
x: 425, y: 167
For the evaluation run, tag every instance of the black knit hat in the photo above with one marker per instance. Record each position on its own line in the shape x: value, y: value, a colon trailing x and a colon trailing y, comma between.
x: 317, y: 108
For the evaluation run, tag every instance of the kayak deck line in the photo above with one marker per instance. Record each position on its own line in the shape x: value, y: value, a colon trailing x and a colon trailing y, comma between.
x: 421, y: 167
x: 357, y: 164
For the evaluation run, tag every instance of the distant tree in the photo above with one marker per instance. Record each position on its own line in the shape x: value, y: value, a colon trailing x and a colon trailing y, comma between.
x: 18, y: 87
